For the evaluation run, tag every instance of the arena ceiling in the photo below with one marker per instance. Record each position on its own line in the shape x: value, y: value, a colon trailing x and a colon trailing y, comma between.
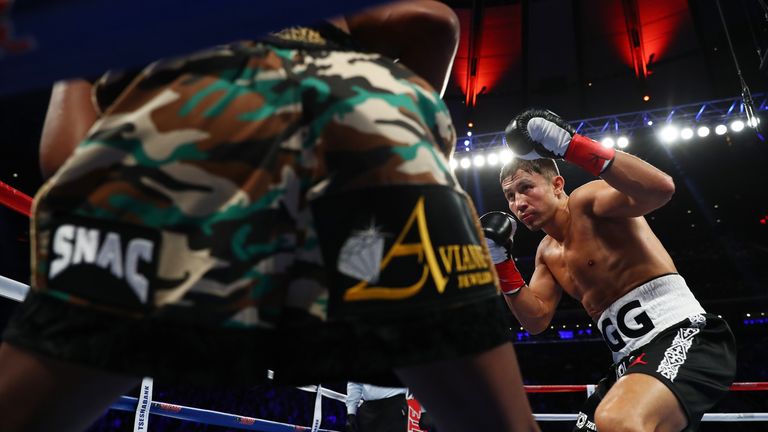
x: 585, y: 58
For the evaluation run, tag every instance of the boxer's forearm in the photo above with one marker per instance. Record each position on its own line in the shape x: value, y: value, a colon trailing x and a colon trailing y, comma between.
x: 648, y: 186
x: 70, y: 115
x: 529, y: 310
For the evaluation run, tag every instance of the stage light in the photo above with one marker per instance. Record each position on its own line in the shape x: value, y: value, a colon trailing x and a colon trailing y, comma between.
x: 753, y: 122
x: 478, y: 160
x: 493, y: 159
x: 608, y: 142
x: 465, y: 163
x: 506, y: 156
x: 702, y: 131
x: 622, y: 142
x: 649, y: 123
x: 470, y: 125
x: 469, y: 133
x: 737, y: 126
x: 686, y: 133
x: 669, y: 134
x: 721, y: 129
x: 466, y: 143
x: 646, y: 98
x: 453, y: 163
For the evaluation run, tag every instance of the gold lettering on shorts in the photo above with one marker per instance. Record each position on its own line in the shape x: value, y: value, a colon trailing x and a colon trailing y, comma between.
x: 423, y: 250
x: 468, y: 280
x: 465, y: 257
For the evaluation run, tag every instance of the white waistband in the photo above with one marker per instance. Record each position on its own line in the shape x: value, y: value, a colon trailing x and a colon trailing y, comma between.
x: 636, y: 318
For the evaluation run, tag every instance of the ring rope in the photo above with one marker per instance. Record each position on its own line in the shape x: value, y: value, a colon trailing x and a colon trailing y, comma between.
x: 325, y: 392
x: 710, y: 417
x: 739, y: 386
x: 127, y: 403
x: 15, y: 199
x: 13, y: 290
x: 216, y: 418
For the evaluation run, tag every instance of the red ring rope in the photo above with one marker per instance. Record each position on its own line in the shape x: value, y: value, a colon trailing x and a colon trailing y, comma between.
x: 743, y: 386
x: 15, y: 200
x: 555, y: 388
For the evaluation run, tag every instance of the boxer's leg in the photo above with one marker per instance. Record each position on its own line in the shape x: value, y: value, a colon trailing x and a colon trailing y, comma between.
x: 672, y: 383
x: 639, y: 402
x: 70, y: 396
x: 483, y: 392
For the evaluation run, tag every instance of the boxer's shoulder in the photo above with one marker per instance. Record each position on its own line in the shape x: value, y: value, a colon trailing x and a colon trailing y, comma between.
x: 583, y: 197
x: 545, y: 250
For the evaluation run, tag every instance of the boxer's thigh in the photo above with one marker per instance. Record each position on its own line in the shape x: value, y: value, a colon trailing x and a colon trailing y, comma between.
x: 642, y: 402
x: 675, y: 375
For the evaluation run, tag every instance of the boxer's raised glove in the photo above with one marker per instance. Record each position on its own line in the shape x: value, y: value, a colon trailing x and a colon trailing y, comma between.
x: 536, y: 134
x: 499, y: 229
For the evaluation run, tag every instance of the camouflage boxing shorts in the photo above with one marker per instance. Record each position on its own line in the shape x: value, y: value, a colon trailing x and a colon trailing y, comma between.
x: 247, y: 207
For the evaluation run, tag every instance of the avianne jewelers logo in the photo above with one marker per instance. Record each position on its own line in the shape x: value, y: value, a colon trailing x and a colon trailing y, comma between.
x: 10, y: 44
x: 363, y: 257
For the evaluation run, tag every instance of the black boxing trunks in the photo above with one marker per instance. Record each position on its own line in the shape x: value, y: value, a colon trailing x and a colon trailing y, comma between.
x: 659, y: 329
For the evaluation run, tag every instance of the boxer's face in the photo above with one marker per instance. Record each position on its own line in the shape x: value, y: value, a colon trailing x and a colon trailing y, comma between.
x: 532, y: 198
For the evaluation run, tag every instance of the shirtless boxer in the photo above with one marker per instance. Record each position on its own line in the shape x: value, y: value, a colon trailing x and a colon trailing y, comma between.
x: 228, y: 212
x: 672, y: 360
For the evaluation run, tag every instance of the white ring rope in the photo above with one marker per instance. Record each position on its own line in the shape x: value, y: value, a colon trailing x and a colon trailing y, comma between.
x: 326, y: 392
x: 13, y: 290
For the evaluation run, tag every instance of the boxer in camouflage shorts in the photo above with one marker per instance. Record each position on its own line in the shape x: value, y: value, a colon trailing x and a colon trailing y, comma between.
x: 248, y: 206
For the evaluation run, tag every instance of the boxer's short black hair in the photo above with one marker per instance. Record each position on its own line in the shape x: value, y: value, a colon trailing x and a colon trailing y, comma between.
x: 545, y: 167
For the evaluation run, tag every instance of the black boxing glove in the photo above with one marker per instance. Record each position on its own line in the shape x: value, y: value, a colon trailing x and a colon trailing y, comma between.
x: 536, y: 134
x: 499, y: 229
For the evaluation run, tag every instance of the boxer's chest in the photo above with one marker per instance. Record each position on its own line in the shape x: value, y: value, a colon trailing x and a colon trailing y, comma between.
x: 582, y: 263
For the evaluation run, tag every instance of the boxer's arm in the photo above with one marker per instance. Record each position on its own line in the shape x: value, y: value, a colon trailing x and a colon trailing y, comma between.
x: 70, y: 115
x: 632, y: 188
x: 422, y: 34
x: 535, y: 304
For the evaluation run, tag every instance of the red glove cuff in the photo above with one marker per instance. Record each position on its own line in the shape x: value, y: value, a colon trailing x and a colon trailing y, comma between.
x: 589, y: 154
x: 509, y: 277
